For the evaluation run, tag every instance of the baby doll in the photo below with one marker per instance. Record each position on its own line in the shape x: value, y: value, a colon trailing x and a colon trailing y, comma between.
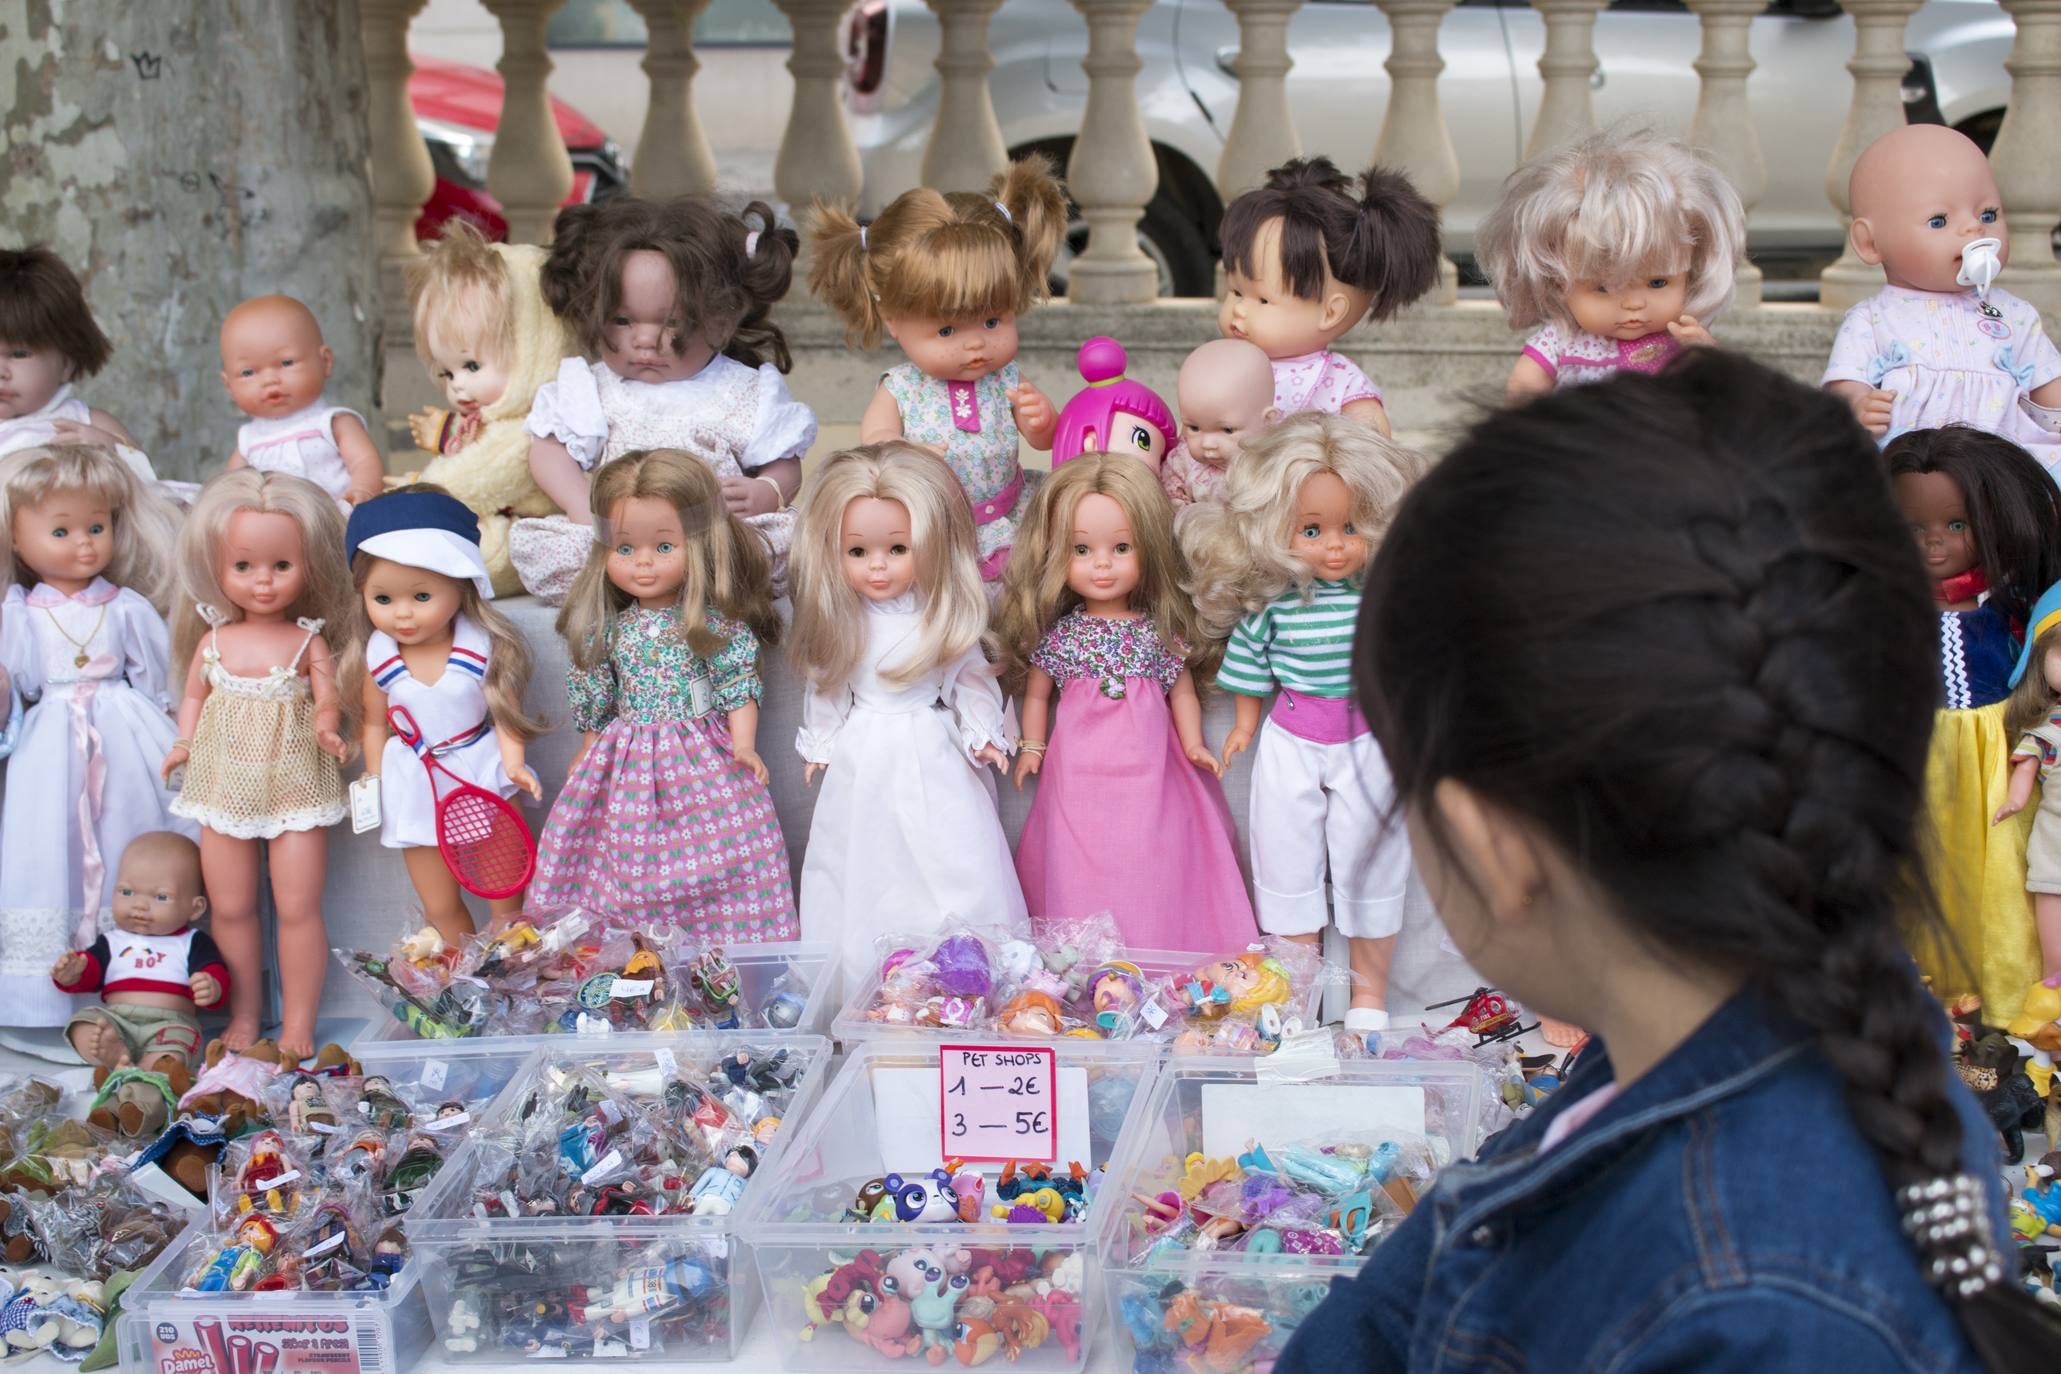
x: 665, y: 820
x: 1124, y: 820
x: 1616, y: 252
x: 87, y: 553
x: 889, y: 623
x: 48, y: 339
x: 1226, y: 391
x: 945, y: 274
x: 1305, y: 259
x: 1277, y: 569
x: 484, y: 331
x: 2033, y: 718
x: 275, y: 363
x: 1939, y: 345
x: 155, y: 970
x: 1112, y: 414
x: 261, y: 727
x: 435, y: 648
x: 672, y: 297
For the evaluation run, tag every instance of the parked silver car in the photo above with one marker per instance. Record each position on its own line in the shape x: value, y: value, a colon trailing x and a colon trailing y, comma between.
x: 1338, y: 92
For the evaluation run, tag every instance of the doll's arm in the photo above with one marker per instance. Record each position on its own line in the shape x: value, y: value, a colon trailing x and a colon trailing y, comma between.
x: 429, y: 427
x: 189, y: 718
x: 515, y: 762
x: 2025, y: 775
x: 372, y: 734
x: 1870, y: 405
x: 1528, y: 378
x: 744, y: 739
x: 1690, y: 333
x: 561, y: 477
x: 1037, y: 722
x: 1239, y: 740
x: 882, y: 419
x: 1036, y: 420
x: 762, y: 490
x: 147, y: 649
x: 360, y: 458
x: 1368, y: 412
x: 587, y: 738
x: 99, y: 428
x: 975, y: 699
x: 823, y: 720
x: 2047, y: 394
x: 235, y: 461
x: 1187, y: 708
x: 328, y: 702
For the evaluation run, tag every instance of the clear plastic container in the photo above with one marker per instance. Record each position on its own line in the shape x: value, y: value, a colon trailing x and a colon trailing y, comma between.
x: 621, y: 1262
x: 884, y: 1113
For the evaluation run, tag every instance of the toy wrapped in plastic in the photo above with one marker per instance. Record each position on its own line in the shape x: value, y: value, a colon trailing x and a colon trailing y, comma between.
x: 1244, y: 1003
x: 944, y: 1303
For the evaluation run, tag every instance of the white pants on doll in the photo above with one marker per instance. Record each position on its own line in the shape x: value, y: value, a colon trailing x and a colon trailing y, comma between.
x: 1319, y: 808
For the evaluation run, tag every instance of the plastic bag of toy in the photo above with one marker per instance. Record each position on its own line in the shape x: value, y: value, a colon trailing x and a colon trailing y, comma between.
x: 1243, y: 1003
x: 459, y: 1009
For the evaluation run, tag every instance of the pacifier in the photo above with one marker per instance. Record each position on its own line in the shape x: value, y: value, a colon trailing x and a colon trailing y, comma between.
x: 1981, y: 260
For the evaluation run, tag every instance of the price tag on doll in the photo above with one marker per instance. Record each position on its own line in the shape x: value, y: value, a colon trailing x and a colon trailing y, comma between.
x: 433, y: 1072
x: 998, y: 1102
x: 365, y: 804
x: 668, y: 1066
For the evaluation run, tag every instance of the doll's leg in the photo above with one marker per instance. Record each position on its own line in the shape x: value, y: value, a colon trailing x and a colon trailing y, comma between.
x: 1370, y: 959
x: 501, y: 912
x: 1286, y: 827
x: 2046, y: 910
x: 300, y: 861
x: 229, y: 868
x: 443, y: 904
x: 96, y: 1039
x: 1369, y: 863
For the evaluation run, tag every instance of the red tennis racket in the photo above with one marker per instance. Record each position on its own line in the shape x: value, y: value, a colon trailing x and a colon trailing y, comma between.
x: 481, y: 836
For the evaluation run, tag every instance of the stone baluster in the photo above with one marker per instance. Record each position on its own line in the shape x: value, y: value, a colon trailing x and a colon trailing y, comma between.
x: 1262, y: 133
x: 817, y: 160
x: 1414, y: 137
x: 1878, y: 66
x: 673, y: 156
x: 1567, y: 66
x: 2027, y: 154
x: 965, y: 148
x: 528, y: 171
x: 402, y: 178
x: 1112, y: 173
x: 1723, y: 124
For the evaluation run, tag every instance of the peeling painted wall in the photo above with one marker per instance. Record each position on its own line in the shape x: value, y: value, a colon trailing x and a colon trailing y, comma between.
x: 182, y: 155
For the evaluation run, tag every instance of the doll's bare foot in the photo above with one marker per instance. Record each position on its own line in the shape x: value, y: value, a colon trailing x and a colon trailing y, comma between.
x: 296, y: 1042
x: 99, y: 1043
x: 239, y: 1035
x: 1561, y: 1034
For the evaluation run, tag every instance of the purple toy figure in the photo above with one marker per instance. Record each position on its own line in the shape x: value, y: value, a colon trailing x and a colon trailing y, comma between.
x: 1112, y: 414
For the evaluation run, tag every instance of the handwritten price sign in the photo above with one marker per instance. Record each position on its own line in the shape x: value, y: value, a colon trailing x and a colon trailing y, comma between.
x: 998, y: 1102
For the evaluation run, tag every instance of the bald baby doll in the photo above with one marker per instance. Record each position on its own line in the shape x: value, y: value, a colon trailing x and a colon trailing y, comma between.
x: 275, y: 365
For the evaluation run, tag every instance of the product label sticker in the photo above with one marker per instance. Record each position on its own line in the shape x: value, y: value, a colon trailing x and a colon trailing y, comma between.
x: 911, y: 1131
x: 630, y: 988
x: 604, y: 1166
x: 365, y: 804
x: 215, y: 1341
x: 434, y: 1071
x: 667, y: 1064
x: 998, y: 1102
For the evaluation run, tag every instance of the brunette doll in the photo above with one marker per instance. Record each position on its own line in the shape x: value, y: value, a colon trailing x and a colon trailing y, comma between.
x: 48, y: 340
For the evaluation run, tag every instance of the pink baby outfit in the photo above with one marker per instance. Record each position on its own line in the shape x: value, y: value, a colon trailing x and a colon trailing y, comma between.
x: 1188, y: 480
x: 1574, y: 356
x: 1322, y: 381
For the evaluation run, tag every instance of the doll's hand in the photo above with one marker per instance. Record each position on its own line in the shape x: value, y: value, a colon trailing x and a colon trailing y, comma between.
x: 525, y: 777
x: 990, y: 754
x: 1872, y: 409
x: 811, y: 771
x: 173, y: 762
x: 69, y: 968
x: 1203, y: 759
x: 426, y: 428
x: 1689, y: 334
x: 1033, y: 411
x: 1236, y: 743
x: 748, y: 496
x: 206, y: 990
x: 2011, y: 807
x: 750, y: 759
x: 332, y: 743
x: 77, y: 432
x: 1027, y: 765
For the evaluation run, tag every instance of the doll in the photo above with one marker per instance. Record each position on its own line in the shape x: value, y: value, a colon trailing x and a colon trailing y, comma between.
x: 274, y: 363
x: 434, y: 646
x: 1129, y: 817
x: 1226, y: 391
x: 672, y: 298
x: 720, y: 1186
x: 945, y: 274
x: 483, y: 330
x: 2032, y: 717
x: 1112, y: 414
x: 665, y: 820
x: 1305, y: 259
x: 87, y: 553
x: 261, y: 727
x: 1616, y: 252
x: 154, y: 970
x: 49, y: 339
x: 1938, y: 344
x: 889, y: 622
x: 1277, y: 569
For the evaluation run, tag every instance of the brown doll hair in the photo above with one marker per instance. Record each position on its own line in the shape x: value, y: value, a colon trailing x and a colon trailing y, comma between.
x: 42, y: 305
x: 2032, y: 700
x: 1380, y: 237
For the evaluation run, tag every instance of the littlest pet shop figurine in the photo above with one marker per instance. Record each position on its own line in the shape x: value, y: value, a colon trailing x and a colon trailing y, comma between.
x: 274, y: 364
x: 48, y: 340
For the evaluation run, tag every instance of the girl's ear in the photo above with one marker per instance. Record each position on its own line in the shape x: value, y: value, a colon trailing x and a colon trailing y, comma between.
x: 1496, y: 850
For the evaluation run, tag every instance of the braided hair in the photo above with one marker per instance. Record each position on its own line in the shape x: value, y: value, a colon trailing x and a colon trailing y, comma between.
x: 1714, y: 687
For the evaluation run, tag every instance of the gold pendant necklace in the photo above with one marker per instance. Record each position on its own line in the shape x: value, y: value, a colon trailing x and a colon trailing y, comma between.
x: 81, y: 658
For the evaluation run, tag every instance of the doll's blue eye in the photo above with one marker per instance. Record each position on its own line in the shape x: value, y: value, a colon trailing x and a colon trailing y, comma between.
x: 944, y: 331
x: 623, y: 549
x: 1310, y: 531
x: 422, y: 596
x: 382, y: 599
x: 1988, y: 217
x: 667, y: 547
x: 96, y: 529
x: 59, y: 533
x: 1936, y: 222
x: 995, y: 323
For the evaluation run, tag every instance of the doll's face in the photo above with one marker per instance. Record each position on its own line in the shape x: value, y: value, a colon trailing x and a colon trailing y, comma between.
x: 411, y: 604
x: 2050, y: 667
x: 157, y: 891
x: 66, y: 539
x: 29, y: 377
x: 1918, y: 200
x: 1646, y: 303
x: 471, y: 376
x: 1224, y: 397
x: 1234, y: 974
x: 262, y: 569
x: 874, y: 548
x: 1324, y: 540
x: 1938, y: 512
x: 1260, y: 307
x: 648, y: 556
x: 638, y: 341
x: 1102, y: 568
x: 1137, y: 436
x: 273, y: 359
x: 961, y: 349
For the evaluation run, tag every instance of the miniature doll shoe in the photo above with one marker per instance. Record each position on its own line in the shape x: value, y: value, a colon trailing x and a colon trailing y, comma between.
x: 1366, y: 1019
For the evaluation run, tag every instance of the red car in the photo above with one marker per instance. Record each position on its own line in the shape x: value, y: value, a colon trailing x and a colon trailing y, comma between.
x: 458, y: 107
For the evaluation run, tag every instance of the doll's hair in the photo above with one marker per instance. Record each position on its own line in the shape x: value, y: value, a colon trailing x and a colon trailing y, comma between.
x: 1619, y: 202
x: 1380, y: 236
x: 459, y: 292
x: 1034, y: 592
x: 729, y: 270
x: 829, y: 632
x: 1714, y: 687
x: 1270, y: 988
x: 942, y: 254
x: 1086, y: 420
x: 2014, y: 508
x: 729, y: 567
x: 1238, y: 550
x: 42, y: 305
x: 146, y: 523
x: 2033, y: 699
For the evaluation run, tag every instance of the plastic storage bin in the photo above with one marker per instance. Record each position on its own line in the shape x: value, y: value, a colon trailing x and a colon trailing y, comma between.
x: 883, y: 1114
x: 589, y: 1257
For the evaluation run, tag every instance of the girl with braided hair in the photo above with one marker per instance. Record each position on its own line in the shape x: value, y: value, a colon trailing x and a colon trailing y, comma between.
x: 1681, y: 809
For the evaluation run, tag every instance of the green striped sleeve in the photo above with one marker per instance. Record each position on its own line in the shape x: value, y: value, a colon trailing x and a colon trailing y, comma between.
x: 1247, y: 669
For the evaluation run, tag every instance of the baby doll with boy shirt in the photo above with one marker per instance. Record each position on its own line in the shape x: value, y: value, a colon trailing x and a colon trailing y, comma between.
x: 1226, y: 394
x: 274, y: 364
x: 48, y: 340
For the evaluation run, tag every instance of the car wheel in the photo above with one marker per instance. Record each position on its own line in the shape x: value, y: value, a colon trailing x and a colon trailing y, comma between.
x: 1166, y: 235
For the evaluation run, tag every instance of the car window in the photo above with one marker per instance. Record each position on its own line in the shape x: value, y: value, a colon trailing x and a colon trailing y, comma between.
x: 613, y: 24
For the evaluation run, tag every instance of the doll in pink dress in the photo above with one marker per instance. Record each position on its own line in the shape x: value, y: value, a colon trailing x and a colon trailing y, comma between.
x: 1112, y: 413
x: 1129, y: 815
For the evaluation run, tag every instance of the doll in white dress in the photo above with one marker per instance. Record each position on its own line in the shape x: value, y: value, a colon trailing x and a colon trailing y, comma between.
x: 903, y: 714
x: 275, y: 363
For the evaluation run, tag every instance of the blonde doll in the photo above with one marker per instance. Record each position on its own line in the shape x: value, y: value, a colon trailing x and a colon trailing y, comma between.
x: 945, y: 274
x: 1277, y: 570
x: 666, y: 820
x: 1616, y: 252
x: 261, y: 728
x: 889, y: 624
x: 1129, y: 815
x: 436, y: 648
x: 87, y: 550
x: 2032, y: 715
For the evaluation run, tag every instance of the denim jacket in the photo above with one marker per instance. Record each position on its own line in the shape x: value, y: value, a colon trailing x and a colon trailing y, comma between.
x: 1722, y: 1214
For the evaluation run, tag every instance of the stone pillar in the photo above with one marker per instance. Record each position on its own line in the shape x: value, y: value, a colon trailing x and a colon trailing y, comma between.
x: 402, y: 177
x: 965, y: 148
x: 1878, y: 67
x: 673, y: 156
x: 1414, y: 137
x: 817, y: 160
x: 1112, y: 173
x: 1723, y: 125
x: 2027, y: 155
x: 1566, y: 66
x: 1262, y: 133
x: 528, y: 171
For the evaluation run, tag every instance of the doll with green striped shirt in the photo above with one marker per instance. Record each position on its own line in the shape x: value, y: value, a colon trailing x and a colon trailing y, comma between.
x: 1276, y: 572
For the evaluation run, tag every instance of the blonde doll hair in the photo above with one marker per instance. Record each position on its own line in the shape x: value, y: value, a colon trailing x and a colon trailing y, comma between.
x: 1034, y: 591
x: 1238, y: 552
x: 1272, y: 988
x: 458, y: 290
x: 2033, y: 699
x: 1615, y: 203
x: 829, y: 633
x: 146, y: 523
x: 942, y: 254
x: 729, y: 567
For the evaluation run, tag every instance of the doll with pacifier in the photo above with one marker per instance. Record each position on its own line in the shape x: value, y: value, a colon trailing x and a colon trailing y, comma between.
x: 1226, y: 395
x: 49, y: 340
x: 275, y: 365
